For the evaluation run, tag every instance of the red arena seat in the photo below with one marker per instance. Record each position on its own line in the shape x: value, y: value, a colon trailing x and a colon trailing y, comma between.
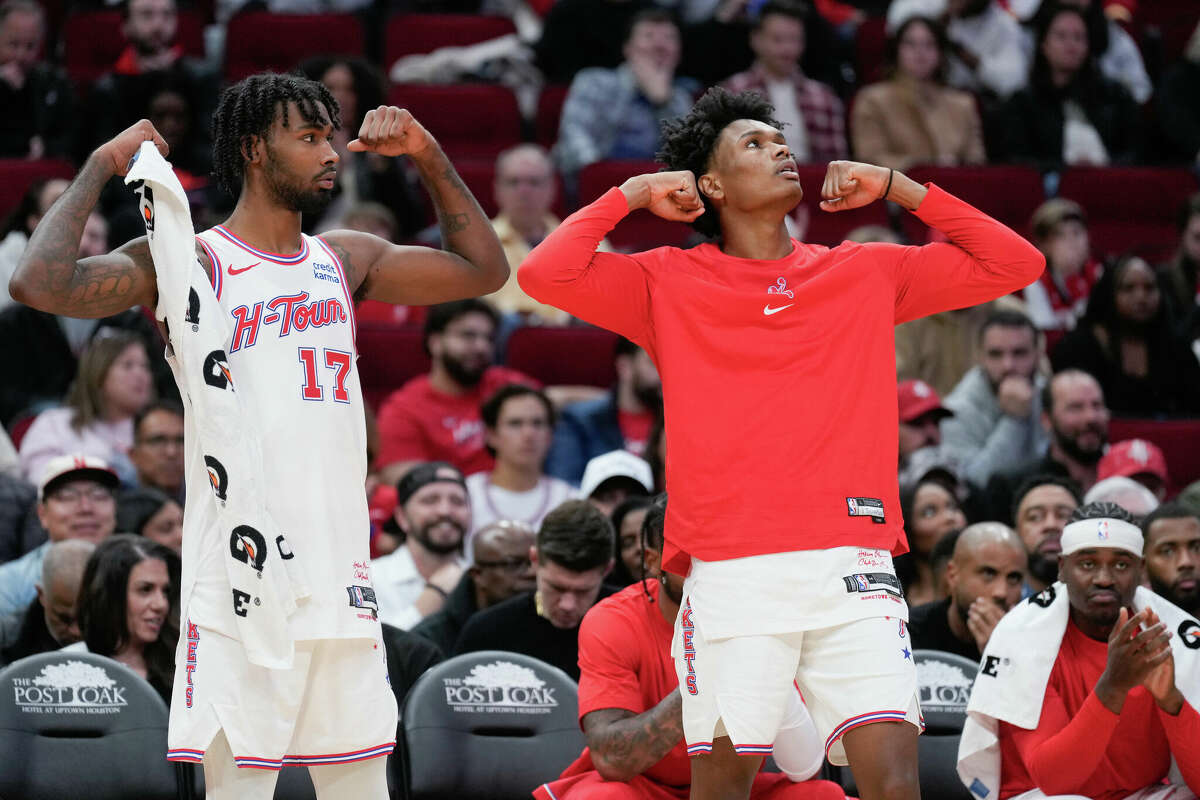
x: 259, y: 40
x: 549, y: 110
x: 408, y: 34
x: 1130, y: 208
x: 1179, y: 440
x: 470, y: 120
x: 388, y: 357
x: 92, y: 41
x: 16, y: 174
x: 564, y: 356
x: 1009, y: 194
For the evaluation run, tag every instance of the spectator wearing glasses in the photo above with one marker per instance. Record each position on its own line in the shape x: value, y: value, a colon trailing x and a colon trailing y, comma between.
x: 157, y: 452
x: 501, y: 569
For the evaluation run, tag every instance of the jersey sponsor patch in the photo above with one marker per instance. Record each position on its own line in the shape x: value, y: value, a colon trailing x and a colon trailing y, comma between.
x: 873, y: 582
x: 363, y: 597
x: 866, y: 507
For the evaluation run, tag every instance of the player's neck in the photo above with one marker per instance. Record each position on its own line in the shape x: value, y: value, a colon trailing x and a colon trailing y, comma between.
x: 755, y: 235
x: 265, y: 225
x: 514, y: 477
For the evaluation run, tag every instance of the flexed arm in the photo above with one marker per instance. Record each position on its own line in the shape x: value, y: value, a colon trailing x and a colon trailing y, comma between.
x: 49, y: 277
x: 473, y: 262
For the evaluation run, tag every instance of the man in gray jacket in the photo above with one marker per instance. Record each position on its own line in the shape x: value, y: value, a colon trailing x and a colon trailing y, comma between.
x: 996, y: 405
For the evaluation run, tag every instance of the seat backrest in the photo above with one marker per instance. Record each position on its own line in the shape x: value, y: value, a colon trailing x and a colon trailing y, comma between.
x: 944, y: 682
x: 389, y: 356
x: 470, y: 120
x: 93, y: 41
x: 489, y: 725
x: 79, y: 725
x: 1129, y: 207
x: 564, y: 356
x: 259, y: 40
x: 16, y: 174
x: 937, y: 761
x: 408, y: 34
x: 1179, y: 440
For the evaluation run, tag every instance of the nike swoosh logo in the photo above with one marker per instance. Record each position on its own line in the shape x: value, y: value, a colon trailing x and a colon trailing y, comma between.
x: 236, y: 271
x: 768, y: 311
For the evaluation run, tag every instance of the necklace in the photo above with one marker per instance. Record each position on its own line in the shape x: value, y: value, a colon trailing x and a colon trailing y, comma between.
x: 543, y: 507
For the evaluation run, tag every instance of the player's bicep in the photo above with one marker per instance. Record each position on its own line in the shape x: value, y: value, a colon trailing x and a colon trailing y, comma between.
x: 101, y: 286
x: 408, y: 275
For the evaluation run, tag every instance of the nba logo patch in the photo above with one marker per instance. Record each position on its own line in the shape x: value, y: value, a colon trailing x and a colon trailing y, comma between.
x: 861, y: 580
x: 1102, y: 529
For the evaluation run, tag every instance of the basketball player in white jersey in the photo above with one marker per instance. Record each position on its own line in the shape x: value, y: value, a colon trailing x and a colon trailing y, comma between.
x: 290, y: 302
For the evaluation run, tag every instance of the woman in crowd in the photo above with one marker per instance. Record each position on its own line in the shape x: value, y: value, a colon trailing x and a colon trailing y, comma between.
x: 129, y: 607
x: 914, y: 117
x: 1069, y: 114
x: 153, y: 514
x: 1127, y: 342
x: 930, y: 511
x: 1058, y: 299
x: 112, y: 384
x: 627, y: 522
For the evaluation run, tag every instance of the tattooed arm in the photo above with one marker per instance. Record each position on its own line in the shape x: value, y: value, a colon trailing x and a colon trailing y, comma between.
x: 473, y: 262
x: 624, y: 744
x: 50, y: 278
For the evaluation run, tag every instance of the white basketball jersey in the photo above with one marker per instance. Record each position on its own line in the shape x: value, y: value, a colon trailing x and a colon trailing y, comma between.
x: 292, y: 354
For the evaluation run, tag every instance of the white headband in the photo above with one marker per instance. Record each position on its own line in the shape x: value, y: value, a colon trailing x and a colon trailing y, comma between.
x: 1104, y: 532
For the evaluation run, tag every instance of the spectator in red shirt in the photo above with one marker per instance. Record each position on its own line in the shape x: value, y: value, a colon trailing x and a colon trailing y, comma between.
x: 1172, y: 534
x: 630, y: 708
x: 435, y: 417
x: 1058, y: 299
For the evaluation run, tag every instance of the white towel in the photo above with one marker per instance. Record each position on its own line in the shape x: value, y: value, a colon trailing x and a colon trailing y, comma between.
x: 1016, y: 666
x: 265, y: 583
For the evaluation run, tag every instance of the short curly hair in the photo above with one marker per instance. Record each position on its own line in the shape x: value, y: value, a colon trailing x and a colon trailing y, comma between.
x: 248, y: 108
x: 1102, y: 510
x: 688, y: 142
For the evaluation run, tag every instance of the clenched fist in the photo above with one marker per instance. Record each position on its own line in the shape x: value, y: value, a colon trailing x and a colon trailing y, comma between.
x: 391, y: 131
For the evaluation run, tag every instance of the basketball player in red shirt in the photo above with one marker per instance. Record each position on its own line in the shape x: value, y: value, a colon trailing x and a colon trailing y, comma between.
x: 778, y: 370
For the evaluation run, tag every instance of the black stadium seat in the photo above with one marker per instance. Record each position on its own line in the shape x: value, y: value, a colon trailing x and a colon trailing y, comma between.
x: 78, y: 725
x: 944, y: 681
x: 489, y: 726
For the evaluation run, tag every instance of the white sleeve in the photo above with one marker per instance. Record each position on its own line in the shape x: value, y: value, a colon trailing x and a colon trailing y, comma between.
x: 798, y: 750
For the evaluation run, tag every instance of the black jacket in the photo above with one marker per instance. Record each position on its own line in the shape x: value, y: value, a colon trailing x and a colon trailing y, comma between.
x: 443, y: 627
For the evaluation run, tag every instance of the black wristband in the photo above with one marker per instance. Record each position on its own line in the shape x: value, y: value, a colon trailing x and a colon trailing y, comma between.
x: 438, y: 589
x: 888, y: 188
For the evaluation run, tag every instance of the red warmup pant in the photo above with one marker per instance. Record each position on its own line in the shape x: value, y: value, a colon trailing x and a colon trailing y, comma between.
x: 767, y: 786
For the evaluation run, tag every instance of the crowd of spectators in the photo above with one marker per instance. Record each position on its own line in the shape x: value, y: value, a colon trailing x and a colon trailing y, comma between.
x: 503, y: 509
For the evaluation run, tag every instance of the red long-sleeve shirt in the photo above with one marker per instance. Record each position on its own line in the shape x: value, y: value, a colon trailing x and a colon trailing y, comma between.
x: 779, y: 376
x: 1081, y: 748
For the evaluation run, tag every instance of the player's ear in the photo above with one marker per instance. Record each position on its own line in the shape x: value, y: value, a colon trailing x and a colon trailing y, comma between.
x: 252, y: 149
x: 710, y: 186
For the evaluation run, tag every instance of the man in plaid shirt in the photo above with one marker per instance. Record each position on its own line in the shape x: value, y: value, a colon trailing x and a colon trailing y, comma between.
x: 813, y: 116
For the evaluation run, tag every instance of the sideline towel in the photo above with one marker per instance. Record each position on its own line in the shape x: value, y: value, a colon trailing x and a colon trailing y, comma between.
x: 1016, y: 666
x: 265, y: 586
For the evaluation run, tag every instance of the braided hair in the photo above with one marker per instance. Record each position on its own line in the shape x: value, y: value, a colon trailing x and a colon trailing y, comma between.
x: 1102, y: 510
x: 652, y: 533
x: 249, y: 107
x: 689, y: 142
